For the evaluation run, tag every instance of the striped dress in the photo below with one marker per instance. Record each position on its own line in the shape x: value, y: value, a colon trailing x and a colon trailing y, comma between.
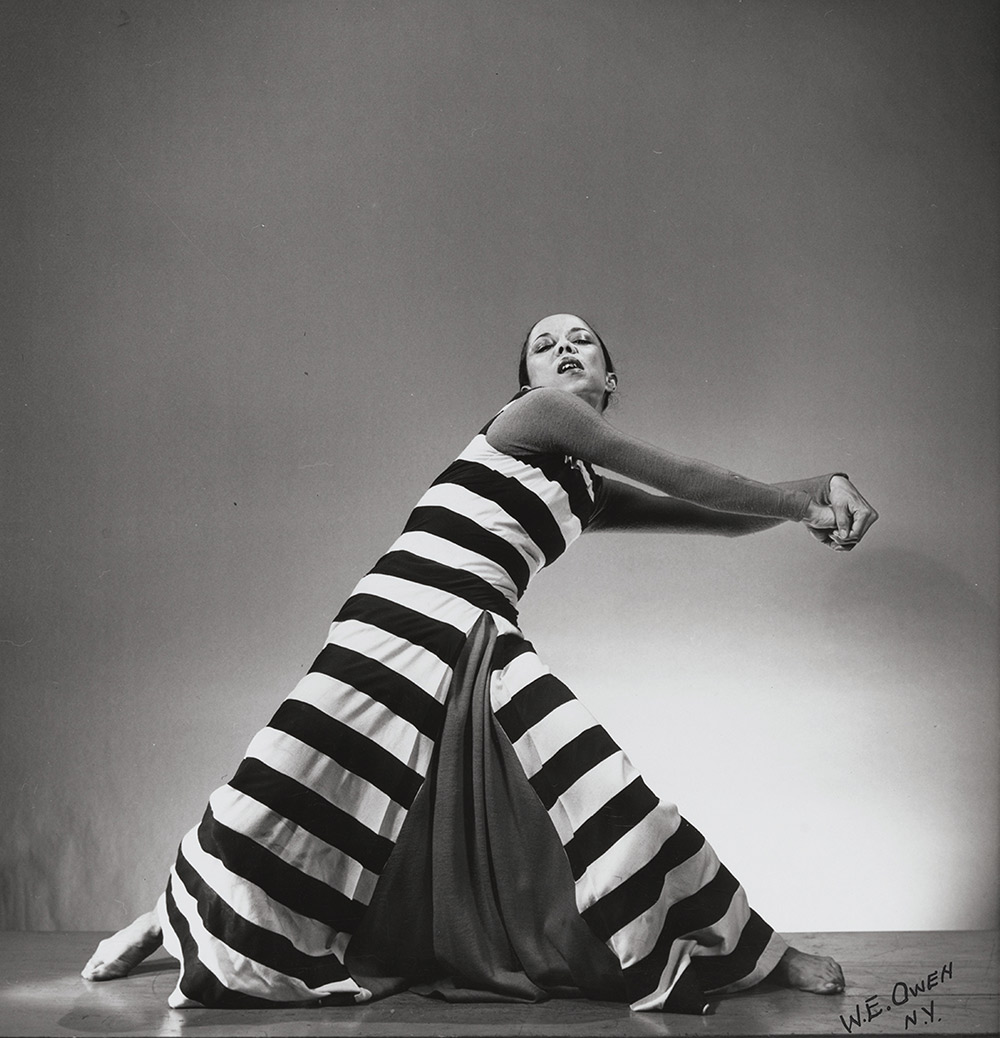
x: 408, y: 790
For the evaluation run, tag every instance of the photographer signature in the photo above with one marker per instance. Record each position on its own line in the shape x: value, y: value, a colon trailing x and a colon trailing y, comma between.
x: 904, y: 996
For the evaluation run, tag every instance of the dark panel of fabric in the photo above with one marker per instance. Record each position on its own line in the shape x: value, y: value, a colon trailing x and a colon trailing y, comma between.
x: 476, y: 902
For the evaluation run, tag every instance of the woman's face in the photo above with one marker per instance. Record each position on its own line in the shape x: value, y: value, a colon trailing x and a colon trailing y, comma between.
x: 563, y: 352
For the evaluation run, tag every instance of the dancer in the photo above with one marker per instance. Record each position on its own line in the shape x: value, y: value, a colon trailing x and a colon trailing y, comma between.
x: 431, y: 808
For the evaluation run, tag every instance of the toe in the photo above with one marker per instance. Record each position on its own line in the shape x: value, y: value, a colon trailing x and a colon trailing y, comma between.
x: 100, y: 969
x: 93, y: 964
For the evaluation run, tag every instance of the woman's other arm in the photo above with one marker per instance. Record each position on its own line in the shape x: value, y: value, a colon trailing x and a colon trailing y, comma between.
x: 622, y: 506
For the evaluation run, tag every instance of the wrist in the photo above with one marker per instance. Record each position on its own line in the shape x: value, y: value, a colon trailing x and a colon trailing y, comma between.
x: 813, y: 513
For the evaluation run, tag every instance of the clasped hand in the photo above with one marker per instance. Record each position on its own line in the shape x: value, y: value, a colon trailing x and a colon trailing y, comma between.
x: 845, y: 520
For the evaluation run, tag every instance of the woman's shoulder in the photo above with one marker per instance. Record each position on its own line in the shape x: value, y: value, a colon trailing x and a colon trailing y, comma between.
x: 540, y: 399
x: 543, y: 420
x: 513, y: 400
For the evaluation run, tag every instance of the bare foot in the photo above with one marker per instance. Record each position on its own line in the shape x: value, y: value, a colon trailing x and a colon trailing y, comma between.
x: 116, y: 956
x: 817, y: 973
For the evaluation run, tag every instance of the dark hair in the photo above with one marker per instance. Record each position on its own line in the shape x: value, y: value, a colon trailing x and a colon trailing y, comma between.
x: 522, y: 364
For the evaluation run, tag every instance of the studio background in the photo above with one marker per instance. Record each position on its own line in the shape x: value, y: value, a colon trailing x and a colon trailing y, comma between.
x: 266, y: 268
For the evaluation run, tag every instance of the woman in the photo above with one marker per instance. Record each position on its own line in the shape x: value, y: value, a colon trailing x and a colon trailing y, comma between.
x: 533, y: 862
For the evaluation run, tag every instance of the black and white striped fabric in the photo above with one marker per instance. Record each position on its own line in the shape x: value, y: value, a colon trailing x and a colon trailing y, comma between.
x: 267, y: 891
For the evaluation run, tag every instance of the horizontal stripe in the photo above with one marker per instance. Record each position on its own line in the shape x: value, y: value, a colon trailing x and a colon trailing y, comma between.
x: 641, y: 891
x: 546, y: 737
x: 719, y: 971
x: 519, y: 672
x: 514, y: 498
x: 695, y: 913
x: 421, y: 598
x: 487, y: 514
x: 380, y: 683
x: 279, y: 881
x: 334, y: 864
x: 508, y: 647
x: 314, y: 813
x: 430, y: 546
x: 253, y: 903
x: 468, y: 586
x: 563, y: 483
x: 571, y: 762
x: 349, y: 748
x: 608, y: 824
x: 439, y: 638
x: 368, y: 717
x: 411, y: 662
x: 468, y: 534
x: 295, y: 846
x: 197, y: 983
x: 531, y: 704
x: 555, y: 469
x: 270, y: 949
x: 627, y: 855
x: 548, y: 491
x: 593, y: 789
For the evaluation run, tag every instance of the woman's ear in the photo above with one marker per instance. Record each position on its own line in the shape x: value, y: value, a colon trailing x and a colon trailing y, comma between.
x: 611, y: 381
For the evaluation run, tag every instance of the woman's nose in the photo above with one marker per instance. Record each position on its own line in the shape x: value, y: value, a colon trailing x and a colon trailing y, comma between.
x: 565, y: 347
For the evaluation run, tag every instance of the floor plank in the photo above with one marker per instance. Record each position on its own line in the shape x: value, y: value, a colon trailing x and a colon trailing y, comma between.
x: 927, y: 983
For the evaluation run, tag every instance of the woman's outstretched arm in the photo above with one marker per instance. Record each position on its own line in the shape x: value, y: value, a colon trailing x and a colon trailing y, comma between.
x: 703, y: 497
x: 551, y: 421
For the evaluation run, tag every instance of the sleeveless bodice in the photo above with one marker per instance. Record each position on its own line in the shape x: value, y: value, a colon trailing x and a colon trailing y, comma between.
x: 491, y: 521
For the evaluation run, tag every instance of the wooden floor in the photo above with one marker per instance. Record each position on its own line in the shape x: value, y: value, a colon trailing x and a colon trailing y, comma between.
x: 926, y: 983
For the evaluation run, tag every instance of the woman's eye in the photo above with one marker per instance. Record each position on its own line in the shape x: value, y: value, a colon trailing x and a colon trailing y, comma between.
x: 542, y: 346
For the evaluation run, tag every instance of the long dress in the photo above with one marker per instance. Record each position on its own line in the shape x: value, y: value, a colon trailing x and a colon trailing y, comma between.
x: 432, y: 809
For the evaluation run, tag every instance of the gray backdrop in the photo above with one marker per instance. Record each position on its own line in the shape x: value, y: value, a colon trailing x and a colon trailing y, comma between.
x: 266, y: 266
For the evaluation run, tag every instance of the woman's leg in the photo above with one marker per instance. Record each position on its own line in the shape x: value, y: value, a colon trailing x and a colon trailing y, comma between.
x: 117, y: 956
x: 646, y: 881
